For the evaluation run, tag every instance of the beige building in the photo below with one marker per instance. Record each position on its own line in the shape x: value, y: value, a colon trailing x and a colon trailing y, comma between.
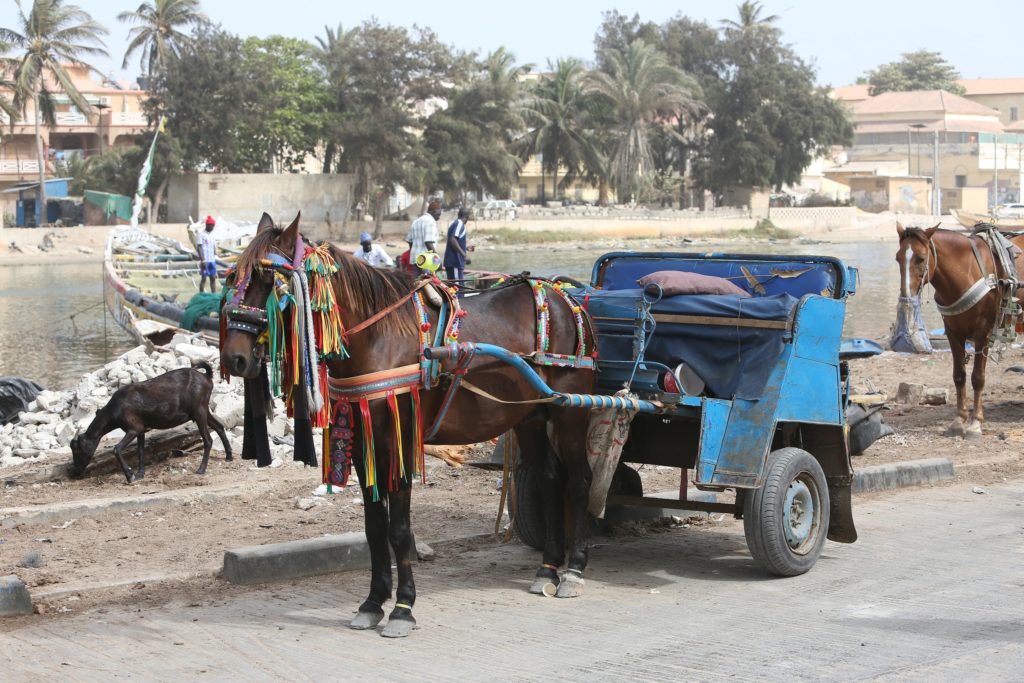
x: 532, y: 176
x: 117, y: 116
x: 1005, y: 95
x: 975, y: 151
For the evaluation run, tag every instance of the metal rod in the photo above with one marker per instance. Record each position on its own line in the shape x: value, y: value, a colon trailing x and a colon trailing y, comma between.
x: 592, y: 401
x: 645, y: 502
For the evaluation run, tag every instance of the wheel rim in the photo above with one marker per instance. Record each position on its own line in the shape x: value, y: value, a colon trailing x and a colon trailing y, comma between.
x: 801, y: 514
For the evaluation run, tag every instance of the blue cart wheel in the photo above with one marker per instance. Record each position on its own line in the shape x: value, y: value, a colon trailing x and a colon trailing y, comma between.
x: 786, y: 521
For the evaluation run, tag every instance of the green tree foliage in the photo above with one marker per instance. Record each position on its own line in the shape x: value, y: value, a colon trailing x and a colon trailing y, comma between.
x: 242, y: 106
x: 293, y: 99
x: 158, y: 31
x: 384, y: 81
x: 470, y: 140
x: 921, y: 70
x: 645, y: 98
x: 559, y: 115
x: 770, y: 119
x: 750, y: 17
x: 49, y: 36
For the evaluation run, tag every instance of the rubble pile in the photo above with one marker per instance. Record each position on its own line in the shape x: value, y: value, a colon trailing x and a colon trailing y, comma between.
x: 46, y: 429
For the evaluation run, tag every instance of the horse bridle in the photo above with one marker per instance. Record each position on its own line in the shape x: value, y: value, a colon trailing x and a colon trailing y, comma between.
x: 929, y: 245
x: 251, y: 319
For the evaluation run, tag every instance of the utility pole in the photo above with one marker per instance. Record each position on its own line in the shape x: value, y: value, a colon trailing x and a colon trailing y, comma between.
x: 936, y: 192
x: 995, y: 171
x: 908, y: 151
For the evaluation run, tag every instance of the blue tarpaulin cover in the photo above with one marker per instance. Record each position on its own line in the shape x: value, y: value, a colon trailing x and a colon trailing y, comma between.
x: 734, y: 362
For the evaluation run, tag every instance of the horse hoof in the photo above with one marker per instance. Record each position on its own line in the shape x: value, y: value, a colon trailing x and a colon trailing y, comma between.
x: 542, y: 585
x: 972, y: 435
x: 571, y: 586
x: 399, y: 627
x: 201, y: 470
x: 364, y: 621
x: 954, y: 431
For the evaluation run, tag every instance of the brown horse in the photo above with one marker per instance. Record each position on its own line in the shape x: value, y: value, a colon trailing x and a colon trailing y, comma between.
x: 504, y: 316
x: 945, y: 260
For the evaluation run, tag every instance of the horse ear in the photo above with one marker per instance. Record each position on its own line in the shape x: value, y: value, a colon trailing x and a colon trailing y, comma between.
x: 931, y: 231
x: 900, y: 230
x: 291, y: 233
x: 266, y: 222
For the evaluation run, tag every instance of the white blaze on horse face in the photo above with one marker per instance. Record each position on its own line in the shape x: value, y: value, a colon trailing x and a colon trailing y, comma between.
x: 907, y: 255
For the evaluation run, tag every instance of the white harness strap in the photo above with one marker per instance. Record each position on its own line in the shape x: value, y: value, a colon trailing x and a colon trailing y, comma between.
x: 968, y: 299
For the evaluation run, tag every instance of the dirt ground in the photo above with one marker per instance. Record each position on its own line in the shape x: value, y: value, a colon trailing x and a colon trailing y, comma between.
x: 183, y: 543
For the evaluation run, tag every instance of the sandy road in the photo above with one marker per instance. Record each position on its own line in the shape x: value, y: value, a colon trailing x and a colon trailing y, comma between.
x: 932, y: 591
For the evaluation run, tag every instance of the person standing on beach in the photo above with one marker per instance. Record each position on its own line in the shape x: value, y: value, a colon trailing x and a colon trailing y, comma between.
x: 372, y: 254
x: 207, y: 247
x: 423, y: 232
x: 455, y: 247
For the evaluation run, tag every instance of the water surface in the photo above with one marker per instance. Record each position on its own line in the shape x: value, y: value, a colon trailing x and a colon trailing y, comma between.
x: 40, y: 341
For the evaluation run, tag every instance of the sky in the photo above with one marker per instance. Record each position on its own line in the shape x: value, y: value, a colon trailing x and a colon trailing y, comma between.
x: 982, y: 39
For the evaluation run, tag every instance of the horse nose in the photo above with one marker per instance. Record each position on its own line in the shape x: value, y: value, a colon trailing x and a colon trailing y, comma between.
x: 237, y: 364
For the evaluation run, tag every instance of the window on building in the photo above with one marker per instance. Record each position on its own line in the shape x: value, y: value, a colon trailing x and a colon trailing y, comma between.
x: 961, y: 181
x: 1014, y: 113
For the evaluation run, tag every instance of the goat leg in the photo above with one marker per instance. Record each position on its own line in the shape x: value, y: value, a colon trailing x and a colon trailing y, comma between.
x: 141, y: 442
x: 128, y: 474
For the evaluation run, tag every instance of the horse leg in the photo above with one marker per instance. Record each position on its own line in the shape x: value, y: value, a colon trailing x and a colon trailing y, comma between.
x: 375, y: 516
x: 535, y: 452
x: 401, y: 621
x: 567, y: 430
x: 956, y: 347
x: 978, y: 384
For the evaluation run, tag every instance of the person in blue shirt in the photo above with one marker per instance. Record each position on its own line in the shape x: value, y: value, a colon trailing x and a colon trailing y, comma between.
x: 455, y: 247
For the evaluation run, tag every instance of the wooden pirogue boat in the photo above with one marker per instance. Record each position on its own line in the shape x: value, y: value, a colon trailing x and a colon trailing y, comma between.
x: 147, y: 282
x: 969, y: 220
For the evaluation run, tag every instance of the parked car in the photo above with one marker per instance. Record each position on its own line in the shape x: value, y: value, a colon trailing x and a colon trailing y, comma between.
x: 1010, y: 211
x: 495, y: 208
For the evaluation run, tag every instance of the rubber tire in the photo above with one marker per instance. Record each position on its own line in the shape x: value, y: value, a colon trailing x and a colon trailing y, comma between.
x: 528, y: 523
x: 763, y: 510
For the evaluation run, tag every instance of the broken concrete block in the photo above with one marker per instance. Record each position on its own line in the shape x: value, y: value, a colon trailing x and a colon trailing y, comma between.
x: 14, y: 597
x: 910, y: 394
x: 936, y: 396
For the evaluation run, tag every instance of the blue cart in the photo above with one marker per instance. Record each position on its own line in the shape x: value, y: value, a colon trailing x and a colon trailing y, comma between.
x: 747, y: 393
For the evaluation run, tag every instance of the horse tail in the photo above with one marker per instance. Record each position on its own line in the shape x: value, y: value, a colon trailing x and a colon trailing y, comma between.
x: 205, y: 367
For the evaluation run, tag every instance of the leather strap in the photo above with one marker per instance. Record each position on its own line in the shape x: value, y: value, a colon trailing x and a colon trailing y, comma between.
x: 387, y: 311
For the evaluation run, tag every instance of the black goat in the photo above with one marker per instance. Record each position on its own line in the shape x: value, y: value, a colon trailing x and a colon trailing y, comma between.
x: 168, y: 400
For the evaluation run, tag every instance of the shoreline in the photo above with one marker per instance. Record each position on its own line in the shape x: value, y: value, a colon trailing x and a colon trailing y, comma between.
x: 84, y: 245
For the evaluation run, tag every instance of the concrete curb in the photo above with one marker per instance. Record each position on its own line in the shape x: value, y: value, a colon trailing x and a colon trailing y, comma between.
x: 294, y: 559
x: 901, y: 474
x: 12, y: 517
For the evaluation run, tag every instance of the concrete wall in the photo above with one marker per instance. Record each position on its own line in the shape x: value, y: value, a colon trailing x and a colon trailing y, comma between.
x: 880, y: 193
x: 245, y: 196
x: 974, y: 199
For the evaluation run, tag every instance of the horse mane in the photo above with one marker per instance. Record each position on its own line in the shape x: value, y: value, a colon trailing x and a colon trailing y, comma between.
x: 258, y: 249
x: 362, y: 289
x: 366, y: 290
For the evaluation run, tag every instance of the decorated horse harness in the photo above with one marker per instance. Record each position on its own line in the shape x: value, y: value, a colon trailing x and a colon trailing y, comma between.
x: 300, y: 346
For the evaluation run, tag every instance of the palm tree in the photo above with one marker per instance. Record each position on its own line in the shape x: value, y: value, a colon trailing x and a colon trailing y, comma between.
x: 331, y: 52
x: 50, y: 36
x: 749, y: 17
x: 643, y: 95
x: 555, y: 114
x: 157, y: 32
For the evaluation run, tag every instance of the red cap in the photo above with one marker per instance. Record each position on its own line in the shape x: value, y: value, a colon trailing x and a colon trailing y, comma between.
x: 210, y: 221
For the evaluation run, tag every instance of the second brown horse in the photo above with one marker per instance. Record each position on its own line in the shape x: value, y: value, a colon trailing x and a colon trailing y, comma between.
x: 945, y: 260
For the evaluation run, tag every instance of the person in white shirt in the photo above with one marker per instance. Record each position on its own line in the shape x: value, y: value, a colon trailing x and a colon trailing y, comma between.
x: 423, y: 232
x: 370, y: 253
x: 207, y: 256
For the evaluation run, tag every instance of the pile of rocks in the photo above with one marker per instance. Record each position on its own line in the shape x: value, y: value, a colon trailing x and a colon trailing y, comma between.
x: 46, y: 429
